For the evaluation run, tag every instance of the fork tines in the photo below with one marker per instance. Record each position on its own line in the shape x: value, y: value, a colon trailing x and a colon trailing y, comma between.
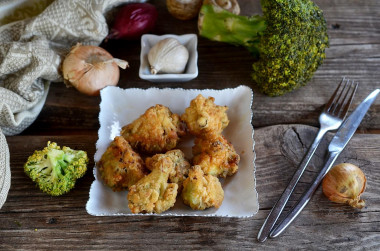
x: 344, y: 99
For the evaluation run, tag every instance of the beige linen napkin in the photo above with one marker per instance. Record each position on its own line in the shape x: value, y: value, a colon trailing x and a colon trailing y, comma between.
x: 31, y: 51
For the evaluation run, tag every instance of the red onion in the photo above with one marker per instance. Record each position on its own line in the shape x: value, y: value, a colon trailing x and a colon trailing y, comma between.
x: 133, y: 20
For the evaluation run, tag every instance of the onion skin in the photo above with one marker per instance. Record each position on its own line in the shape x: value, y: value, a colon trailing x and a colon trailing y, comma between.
x: 344, y: 183
x: 184, y: 9
x: 90, y: 68
x: 133, y: 20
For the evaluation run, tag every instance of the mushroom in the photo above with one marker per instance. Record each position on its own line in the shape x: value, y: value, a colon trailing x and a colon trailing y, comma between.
x: 229, y: 5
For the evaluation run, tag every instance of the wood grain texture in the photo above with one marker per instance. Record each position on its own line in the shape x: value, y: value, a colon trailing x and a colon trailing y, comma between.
x: 354, y: 52
x: 34, y: 221
x: 31, y: 220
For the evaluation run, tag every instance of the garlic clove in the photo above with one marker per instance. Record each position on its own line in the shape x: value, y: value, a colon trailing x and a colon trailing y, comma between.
x: 168, y: 56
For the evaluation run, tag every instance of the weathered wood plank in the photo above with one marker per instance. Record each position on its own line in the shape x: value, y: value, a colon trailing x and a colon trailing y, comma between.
x: 354, y: 53
x: 32, y: 220
x: 322, y: 224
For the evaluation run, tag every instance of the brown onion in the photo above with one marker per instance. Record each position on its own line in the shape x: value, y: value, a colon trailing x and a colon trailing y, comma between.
x: 90, y: 68
x: 344, y: 183
x: 184, y: 9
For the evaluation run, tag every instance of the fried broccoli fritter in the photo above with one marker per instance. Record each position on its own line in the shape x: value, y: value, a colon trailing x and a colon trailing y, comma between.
x: 215, y: 156
x: 204, y: 118
x: 120, y: 167
x: 153, y: 193
x: 156, y: 131
x: 181, y: 166
x: 201, y: 191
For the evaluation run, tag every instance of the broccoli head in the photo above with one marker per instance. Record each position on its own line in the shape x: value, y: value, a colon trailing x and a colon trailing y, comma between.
x: 56, y: 170
x: 289, y: 39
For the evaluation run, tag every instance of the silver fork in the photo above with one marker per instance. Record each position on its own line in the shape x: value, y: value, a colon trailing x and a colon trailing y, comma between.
x: 330, y: 119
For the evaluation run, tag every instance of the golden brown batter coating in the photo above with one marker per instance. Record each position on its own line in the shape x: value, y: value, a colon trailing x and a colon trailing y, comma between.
x: 204, y: 118
x: 153, y: 193
x: 202, y: 191
x: 156, y: 131
x: 216, y: 156
x: 181, y: 166
x: 120, y: 167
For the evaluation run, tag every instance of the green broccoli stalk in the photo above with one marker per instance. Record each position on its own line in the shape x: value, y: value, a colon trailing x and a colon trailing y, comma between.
x: 289, y: 40
x: 56, y: 170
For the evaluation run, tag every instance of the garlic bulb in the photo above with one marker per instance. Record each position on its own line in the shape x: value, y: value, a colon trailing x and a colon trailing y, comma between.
x: 184, y: 9
x: 344, y: 183
x: 168, y: 56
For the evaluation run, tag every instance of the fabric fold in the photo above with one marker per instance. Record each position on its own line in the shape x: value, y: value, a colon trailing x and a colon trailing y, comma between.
x: 31, y: 52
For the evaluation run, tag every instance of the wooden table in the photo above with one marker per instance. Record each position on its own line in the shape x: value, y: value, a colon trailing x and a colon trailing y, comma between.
x: 284, y: 127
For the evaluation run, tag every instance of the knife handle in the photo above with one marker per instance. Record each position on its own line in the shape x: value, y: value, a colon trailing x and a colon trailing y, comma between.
x: 277, y: 209
x: 302, y: 202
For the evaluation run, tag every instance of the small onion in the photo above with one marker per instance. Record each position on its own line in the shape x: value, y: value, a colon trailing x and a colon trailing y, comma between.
x: 344, y: 183
x: 184, y: 9
x: 90, y: 68
x: 133, y: 20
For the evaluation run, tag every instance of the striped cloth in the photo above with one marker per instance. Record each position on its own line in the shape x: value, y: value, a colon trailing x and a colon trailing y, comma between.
x: 31, y: 51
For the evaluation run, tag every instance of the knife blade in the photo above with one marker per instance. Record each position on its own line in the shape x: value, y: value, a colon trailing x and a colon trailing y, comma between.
x: 349, y: 126
x: 336, y: 146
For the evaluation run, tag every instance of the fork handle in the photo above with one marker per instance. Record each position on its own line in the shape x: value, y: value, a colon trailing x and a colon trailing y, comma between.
x: 280, y: 204
x: 305, y: 198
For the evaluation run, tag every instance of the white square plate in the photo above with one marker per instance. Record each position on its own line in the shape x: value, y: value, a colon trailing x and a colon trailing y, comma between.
x: 121, y: 106
x: 191, y: 70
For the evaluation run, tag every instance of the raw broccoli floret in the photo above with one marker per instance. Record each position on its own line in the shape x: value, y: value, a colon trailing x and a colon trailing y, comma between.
x: 289, y: 40
x: 56, y: 170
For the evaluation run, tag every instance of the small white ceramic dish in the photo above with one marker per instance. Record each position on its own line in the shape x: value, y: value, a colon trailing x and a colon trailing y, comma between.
x: 189, y: 41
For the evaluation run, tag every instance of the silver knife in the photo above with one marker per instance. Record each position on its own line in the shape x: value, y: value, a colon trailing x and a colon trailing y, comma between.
x: 338, y: 143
